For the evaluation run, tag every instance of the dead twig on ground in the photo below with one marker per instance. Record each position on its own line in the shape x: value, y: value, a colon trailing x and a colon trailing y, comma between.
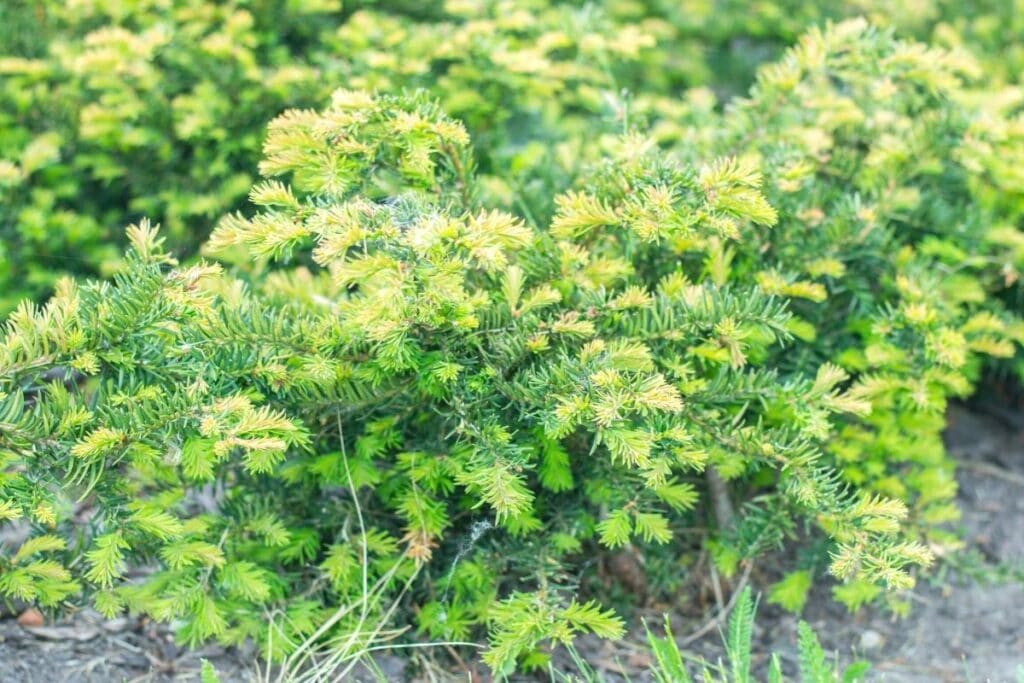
x: 720, y: 617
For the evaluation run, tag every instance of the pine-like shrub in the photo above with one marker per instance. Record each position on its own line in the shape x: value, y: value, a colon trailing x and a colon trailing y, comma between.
x: 895, y: 235
x: 437, y: 367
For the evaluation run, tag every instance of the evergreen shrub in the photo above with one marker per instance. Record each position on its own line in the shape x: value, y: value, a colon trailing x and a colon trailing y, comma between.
x: 485, y: 318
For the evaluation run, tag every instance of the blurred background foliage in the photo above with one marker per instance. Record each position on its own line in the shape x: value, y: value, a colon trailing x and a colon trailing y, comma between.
x: 111, y: 111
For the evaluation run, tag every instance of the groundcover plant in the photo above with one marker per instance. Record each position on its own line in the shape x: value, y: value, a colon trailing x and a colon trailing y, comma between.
x: 484, y: 317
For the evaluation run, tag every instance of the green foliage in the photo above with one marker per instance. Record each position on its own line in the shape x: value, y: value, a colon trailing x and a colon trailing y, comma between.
x: 813, y: 662
x: 523, y: 621
x: 738, y: 638
x: 208, y: 674
x: 485, y: 317
x: 672, y: 665
x: 791, y: 592
x: 149, y: 109
x: 156, y: 109
x: 885, y: 243
x: 417, y: 330
x: 814, y: 666
x: 668, y: 660
x: 114, y: 112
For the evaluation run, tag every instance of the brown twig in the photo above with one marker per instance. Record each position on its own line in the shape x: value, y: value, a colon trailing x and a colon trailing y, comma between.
x: 716, y: 586
x: 721, y: 504
x: 722, y: 613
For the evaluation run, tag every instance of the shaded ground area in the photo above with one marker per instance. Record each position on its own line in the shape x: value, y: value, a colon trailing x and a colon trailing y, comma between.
x: 967, y: 623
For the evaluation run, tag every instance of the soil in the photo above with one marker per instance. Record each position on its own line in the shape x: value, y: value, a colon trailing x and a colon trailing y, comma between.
x: 966, y: 625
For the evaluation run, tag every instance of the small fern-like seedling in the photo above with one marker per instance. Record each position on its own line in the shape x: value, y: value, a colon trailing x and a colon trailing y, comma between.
x: 739, y: 636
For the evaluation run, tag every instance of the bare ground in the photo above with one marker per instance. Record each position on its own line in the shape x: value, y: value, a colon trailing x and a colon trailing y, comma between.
x: 967, y: 622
